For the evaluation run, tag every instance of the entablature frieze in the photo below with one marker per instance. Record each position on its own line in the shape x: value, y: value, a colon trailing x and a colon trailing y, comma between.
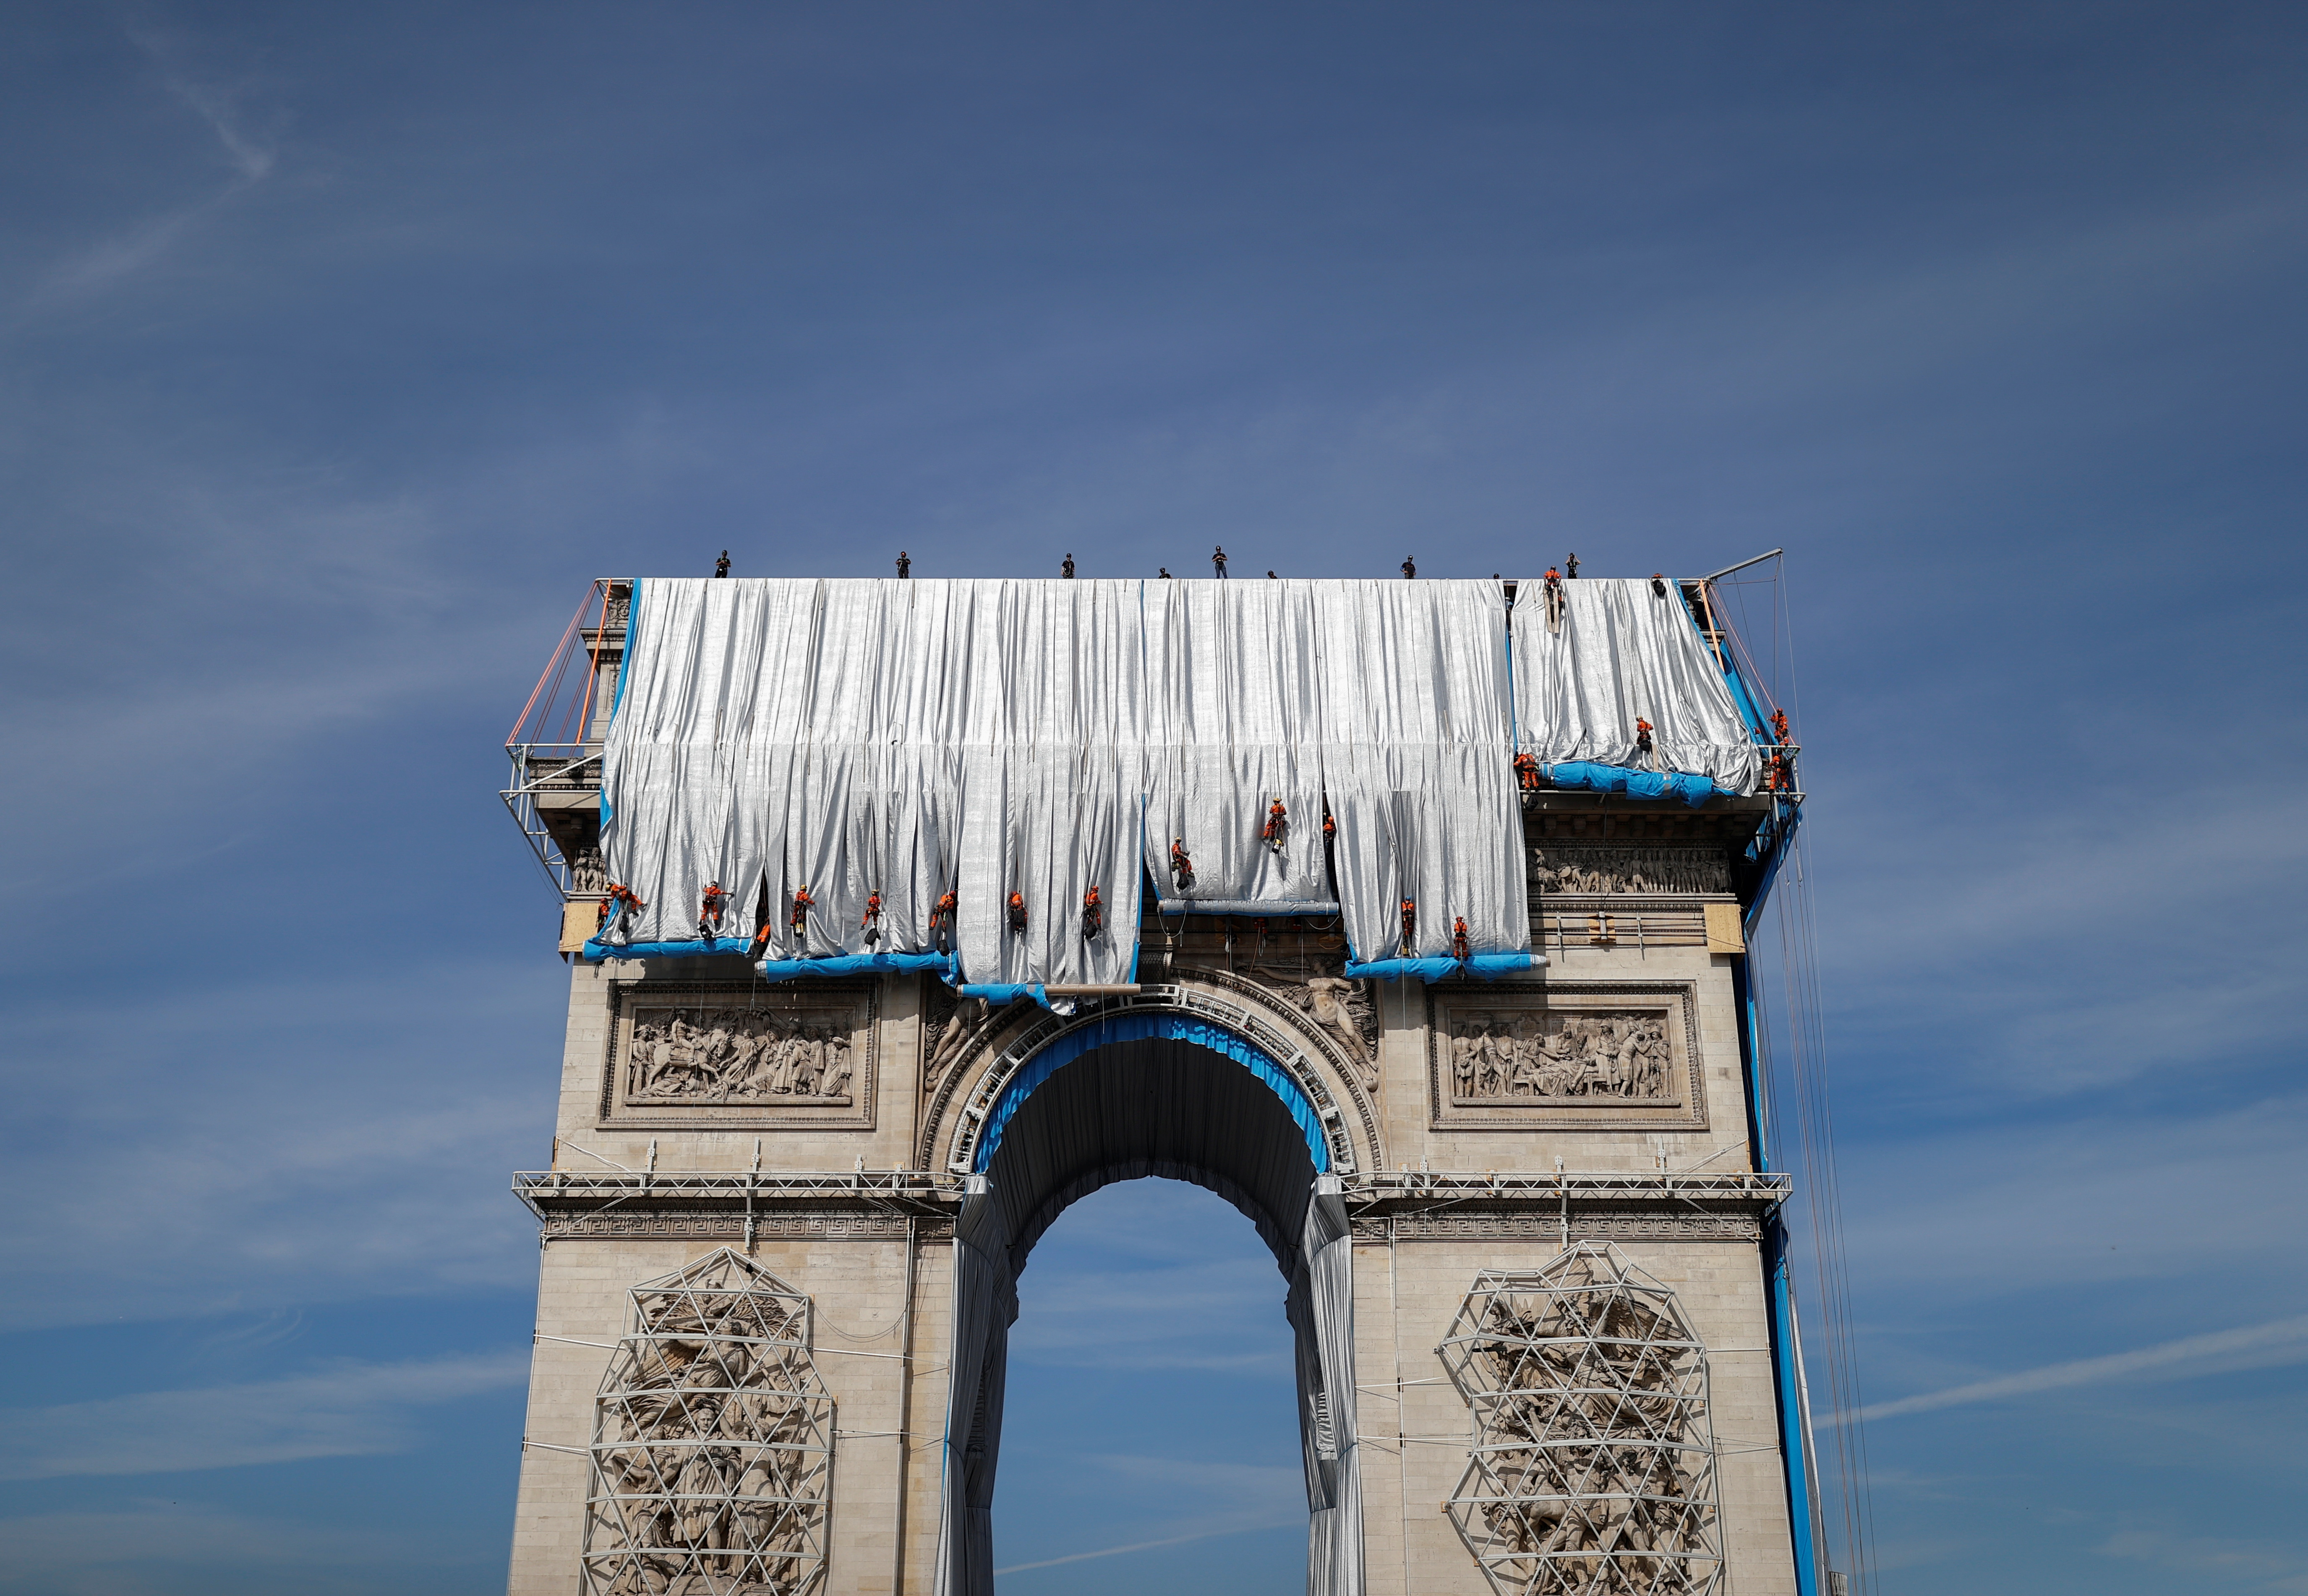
x: 881, y: 1205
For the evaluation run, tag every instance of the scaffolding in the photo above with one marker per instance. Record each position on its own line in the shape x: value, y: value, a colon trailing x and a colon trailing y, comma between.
x: 713, y: 1449
x: 555, y: 747
x: 1591, y: 1469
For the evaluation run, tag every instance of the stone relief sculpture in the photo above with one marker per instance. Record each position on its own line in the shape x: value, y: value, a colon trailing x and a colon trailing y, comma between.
x: 1629, y: 870
x: 1592, y: 1463
x: 1529, y: 1055
x: 947, y: 1027
x: 1338, y: 1006
x: 743, y: 1055
x: 586, y: 872
x: 712, y: 1442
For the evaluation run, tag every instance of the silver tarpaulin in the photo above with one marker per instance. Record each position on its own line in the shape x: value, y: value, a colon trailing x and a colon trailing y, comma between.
x: 1617, y: 652
x: 811, y: 744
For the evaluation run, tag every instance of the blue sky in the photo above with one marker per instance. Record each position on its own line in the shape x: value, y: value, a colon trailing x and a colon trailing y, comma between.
x: 338, y: 348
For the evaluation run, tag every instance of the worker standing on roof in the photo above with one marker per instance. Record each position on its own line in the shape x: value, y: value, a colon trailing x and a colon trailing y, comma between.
x: 1218, y: 561
x: 722, y: 566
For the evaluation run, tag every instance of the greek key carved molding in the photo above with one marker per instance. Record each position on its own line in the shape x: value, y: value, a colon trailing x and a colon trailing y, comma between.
x: 690, y: 1054
x: 1537, y: 1225
x: 722, y: 1224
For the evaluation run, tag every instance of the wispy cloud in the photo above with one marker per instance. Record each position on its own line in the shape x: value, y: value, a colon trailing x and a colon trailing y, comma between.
x: 2273, y: 1567
x: 349, y: 1410
x: 1139, y: 1546
x: 263, y: 1218
x: 1243, y: 1498
x: 95, y: 1553
x: 2280, y: 1341
x: 250, y: 155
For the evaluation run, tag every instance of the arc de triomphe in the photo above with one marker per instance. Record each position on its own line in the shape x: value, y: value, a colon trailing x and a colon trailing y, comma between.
x: 1528, y: 1233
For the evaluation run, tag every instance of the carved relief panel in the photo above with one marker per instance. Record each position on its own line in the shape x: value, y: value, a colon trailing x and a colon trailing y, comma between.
x: 1592, y: 1055
x: 1581, y: 870
x: 686, y: 1054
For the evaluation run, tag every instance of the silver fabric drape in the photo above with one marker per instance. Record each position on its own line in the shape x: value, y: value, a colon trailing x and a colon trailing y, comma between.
x: 985, y: 1305
x: 1624, y: 653
x: 909, y: 738
x: 1044, y: 738
x: 1322, y: 1309
x: 1413, y: 730
x: 1236, y: 679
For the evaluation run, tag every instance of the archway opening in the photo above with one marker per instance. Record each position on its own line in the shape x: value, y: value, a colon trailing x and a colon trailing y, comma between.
x: 1150, y: 1433
x: 1213, y: 1112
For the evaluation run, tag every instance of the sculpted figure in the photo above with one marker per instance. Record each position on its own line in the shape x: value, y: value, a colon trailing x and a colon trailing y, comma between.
x: 787, y: 1052
x: 837, y: 1068
x: 1462, y: 1064
x: 967, y: 1016
x: 1336, y: 1006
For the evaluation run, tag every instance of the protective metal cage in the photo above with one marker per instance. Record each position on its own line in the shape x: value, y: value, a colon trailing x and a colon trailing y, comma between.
x: 712, y: 1450
x: 1592, y: 1467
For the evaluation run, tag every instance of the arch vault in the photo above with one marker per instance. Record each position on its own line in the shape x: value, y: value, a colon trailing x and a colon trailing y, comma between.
x: 1166, y: 1092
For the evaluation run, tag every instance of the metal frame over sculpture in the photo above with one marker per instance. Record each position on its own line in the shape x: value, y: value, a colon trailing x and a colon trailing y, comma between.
x: 712, y: 1447
x: 1592, y: 1467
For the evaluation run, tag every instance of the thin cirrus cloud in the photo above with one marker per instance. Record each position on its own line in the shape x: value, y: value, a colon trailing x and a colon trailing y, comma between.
x: 349, y: 1410
x: 1243, y: 1498
x: 1139, y: 1546
x: 2252, y: 1347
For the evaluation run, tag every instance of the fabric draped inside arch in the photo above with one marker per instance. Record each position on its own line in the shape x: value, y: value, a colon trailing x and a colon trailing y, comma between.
x: 1143, y: 1027
x: 1125, y: 1109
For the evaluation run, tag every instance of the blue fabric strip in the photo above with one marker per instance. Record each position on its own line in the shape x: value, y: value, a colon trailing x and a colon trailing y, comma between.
x: 1001, y: 993
x: 1490, y: 966
x: 854, y: 963
x: 1731, y: 675
x: 1693, y: 790
x: 1154, y: 1027
x: 1772, y: 859
x: 784, y: 969
x: 596, y: 949
x: 624, y: 674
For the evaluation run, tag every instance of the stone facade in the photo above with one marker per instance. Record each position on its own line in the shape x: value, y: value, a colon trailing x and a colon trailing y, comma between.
x: 813, y: 1128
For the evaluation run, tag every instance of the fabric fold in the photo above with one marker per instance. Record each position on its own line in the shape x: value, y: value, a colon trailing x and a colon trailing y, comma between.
x: 1621, y: 652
